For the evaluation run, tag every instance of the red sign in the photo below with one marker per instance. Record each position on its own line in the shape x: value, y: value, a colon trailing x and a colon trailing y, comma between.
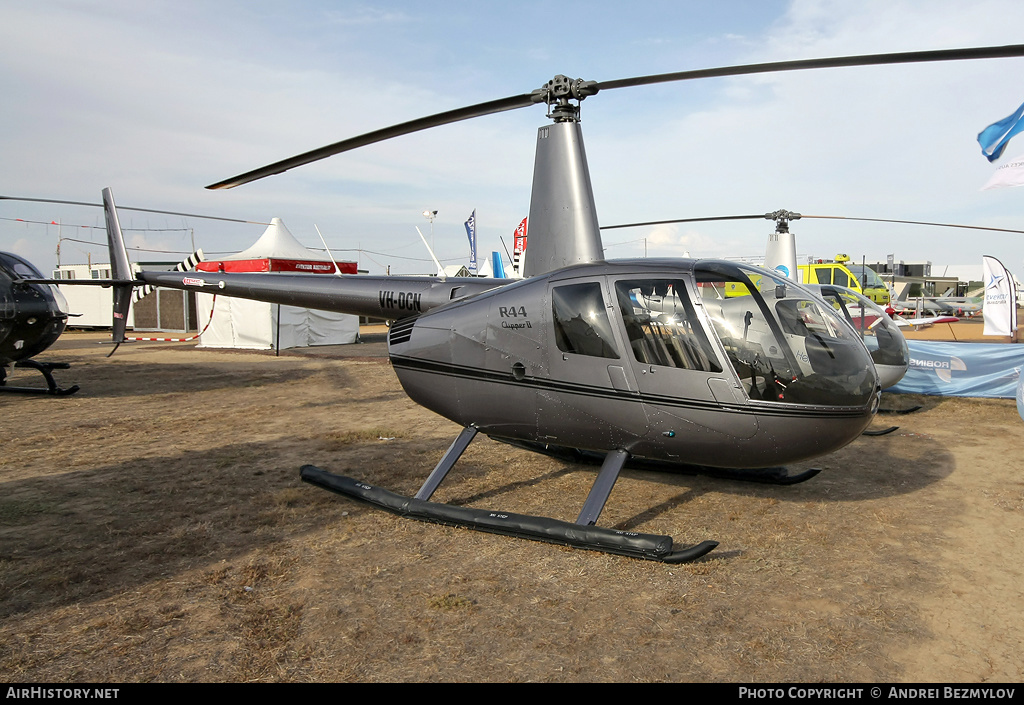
x: 276, y: 265
x: 519, y: 245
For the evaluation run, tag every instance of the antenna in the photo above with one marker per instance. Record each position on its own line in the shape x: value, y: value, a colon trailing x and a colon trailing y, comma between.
x: 440, y: 269
x: 337, y: 269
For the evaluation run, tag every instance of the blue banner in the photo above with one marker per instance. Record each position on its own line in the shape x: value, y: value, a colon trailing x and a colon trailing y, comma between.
x: 471, y: 233
x: 989, y: 370
x: 497, y: 268
x: 993, y: 138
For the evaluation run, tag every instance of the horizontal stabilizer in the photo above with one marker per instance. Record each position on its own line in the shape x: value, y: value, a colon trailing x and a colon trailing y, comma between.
x: 186, y: 265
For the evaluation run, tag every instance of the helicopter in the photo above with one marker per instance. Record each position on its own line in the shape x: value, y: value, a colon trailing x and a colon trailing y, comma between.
x: 32, y: 317
x: 34, y: 312
x: 877, y: 329
x: 687, y: 365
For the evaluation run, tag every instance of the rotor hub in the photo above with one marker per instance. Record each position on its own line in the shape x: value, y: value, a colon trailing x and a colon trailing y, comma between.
x: 782, y: 218
x: 557, y: 94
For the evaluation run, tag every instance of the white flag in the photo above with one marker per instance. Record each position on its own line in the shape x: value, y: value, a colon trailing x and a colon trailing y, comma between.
x: 1000, y: 305
x: 1009, y: 174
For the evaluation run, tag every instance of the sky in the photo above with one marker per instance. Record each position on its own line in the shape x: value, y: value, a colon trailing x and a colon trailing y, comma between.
x: 158, y: 99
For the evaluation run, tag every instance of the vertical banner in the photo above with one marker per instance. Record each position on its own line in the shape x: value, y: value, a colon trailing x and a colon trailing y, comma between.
x: 1000, y: 306
x: 471, y: 233
x: 1020, y: 392
x: 518, y: 245
x: 497, y: 268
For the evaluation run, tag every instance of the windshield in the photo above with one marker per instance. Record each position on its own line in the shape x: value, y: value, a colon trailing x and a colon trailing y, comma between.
x: 24, y: 269
x: 785, y: 344
x: 867, y: 277
x: 19, y: 266
x: 881, y: 336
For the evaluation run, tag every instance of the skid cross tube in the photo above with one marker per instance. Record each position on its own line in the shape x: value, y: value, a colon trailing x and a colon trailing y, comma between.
x: 448, y: 460
x: 613, y: 464
x: 46, y: 370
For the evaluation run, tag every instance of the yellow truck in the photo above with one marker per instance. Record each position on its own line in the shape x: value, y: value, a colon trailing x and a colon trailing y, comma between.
x: 842, y: 272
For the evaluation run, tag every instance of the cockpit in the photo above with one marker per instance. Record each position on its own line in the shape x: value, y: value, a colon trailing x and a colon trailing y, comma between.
x: 881, y: 336
x: 784, y: 343
x: 17, y: 268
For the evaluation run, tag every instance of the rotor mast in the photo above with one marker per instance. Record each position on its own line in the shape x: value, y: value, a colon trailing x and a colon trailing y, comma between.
x: 563, y: 221
x: 780, y: 255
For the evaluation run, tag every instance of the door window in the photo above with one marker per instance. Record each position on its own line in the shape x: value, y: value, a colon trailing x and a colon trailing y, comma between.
x: 581, y: 320
x: 662, y: 326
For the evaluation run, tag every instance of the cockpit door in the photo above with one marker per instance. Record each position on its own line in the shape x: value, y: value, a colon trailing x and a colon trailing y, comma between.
x: 677, y: 369
x: 591, y: 387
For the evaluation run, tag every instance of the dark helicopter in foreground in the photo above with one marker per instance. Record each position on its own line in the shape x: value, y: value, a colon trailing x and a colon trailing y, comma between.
x: 676, y: 364
x: 32, y: 317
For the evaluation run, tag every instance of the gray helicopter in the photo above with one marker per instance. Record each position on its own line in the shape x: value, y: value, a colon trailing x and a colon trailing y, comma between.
x: 676, y: 364
x: 879, y: 332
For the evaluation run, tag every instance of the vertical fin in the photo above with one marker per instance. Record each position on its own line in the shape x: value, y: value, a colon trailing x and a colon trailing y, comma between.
x: 120, y: 270
x: 563, y: 218
x: 780, y: 254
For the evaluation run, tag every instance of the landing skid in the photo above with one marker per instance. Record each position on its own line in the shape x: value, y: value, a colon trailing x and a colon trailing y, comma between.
x: 45, y: 369
x: 624, y: 543
x: 582, y: 534
x: 901, y: 411
x: 771, y: 476
x: 880, y: 432
x: 768, y: 476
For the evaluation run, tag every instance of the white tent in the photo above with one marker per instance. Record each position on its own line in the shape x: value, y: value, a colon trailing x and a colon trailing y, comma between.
x: 255, y: 325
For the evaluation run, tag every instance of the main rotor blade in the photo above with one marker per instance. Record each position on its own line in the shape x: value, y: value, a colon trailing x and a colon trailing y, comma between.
x: 129, y: 208
x: 913, y: 222
x: 760, y: 216
x: 424, y: 123
x: 910, y: 57
x: 768, y: 216
x: 538, y: 96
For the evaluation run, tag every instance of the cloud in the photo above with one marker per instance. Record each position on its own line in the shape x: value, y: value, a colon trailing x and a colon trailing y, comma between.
x: 365, y: 15
x: 667, y: 240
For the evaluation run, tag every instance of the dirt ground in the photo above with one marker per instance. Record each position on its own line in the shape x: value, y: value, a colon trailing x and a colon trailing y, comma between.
x: 153, y: 527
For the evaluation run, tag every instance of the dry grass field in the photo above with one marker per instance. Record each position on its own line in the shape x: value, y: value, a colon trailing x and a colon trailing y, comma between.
x: 153, y: 527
